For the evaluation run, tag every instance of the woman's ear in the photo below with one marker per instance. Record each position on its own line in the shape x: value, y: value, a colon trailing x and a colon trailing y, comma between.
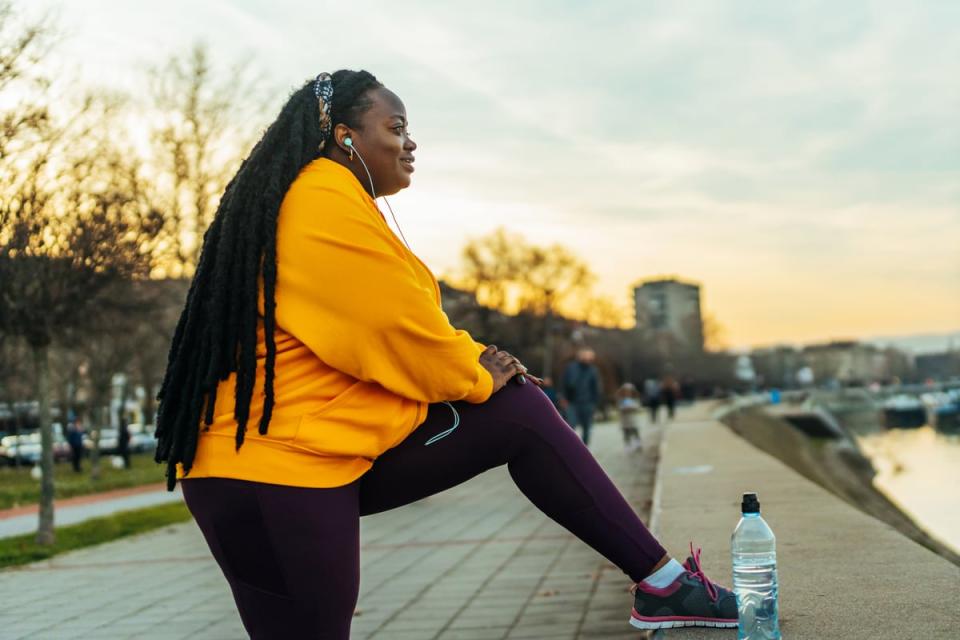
x: 342, y: 132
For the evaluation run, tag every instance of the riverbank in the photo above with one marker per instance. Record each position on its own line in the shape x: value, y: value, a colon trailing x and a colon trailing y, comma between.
x: 843, y: 573
x: 836, y: 465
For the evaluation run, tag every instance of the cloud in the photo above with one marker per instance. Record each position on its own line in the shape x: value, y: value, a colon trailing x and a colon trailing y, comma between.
x: 788, y: 153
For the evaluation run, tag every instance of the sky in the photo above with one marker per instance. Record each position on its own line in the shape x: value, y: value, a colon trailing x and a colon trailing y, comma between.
x: 801, y: 161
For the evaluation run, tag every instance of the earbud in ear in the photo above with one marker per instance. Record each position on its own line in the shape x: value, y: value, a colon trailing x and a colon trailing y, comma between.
x: 347, y: 142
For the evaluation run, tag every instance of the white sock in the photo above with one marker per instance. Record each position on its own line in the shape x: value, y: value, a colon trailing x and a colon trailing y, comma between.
x: 665, y: 575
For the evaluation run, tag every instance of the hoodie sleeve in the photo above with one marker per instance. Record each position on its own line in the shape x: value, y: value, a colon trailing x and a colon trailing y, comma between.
x: 347, y: 293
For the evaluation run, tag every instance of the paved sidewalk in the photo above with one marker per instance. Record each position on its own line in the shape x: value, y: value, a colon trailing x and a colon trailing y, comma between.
x: 478, y: 562
x: 21, y: 520
x: 842, y: 573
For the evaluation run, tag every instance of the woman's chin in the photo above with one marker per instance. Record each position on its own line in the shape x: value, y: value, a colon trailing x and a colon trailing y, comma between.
x: 401, y: 184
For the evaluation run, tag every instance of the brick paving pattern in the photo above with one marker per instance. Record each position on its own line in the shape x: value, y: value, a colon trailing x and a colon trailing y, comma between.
x: 477, y: 562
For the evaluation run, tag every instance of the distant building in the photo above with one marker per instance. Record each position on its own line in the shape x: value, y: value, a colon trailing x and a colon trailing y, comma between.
x: 669, y: 307
x: 854, y: 362
x: 938, y: 366
x: 778, y: 365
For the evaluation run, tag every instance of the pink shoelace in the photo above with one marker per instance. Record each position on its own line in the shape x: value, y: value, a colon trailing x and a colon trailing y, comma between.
x: 698, y: 575
x: 701, y: 576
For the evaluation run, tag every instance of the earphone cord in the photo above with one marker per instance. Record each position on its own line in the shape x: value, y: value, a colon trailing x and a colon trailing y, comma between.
x: 397, y: 223
x: 373, y: 192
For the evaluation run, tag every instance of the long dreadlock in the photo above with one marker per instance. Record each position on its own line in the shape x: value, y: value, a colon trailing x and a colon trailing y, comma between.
x: 217, y: 331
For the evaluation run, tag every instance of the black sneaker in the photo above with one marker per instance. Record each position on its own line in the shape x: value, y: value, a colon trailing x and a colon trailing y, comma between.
x: 692, y: 600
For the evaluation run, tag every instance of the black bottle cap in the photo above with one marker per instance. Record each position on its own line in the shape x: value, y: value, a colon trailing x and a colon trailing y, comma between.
x: 750, y: 503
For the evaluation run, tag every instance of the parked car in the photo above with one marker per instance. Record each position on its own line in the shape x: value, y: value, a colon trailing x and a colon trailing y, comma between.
x: 141, y: 437
x: 26, y: 449
x: 108, y: 440
x: 8, y: 449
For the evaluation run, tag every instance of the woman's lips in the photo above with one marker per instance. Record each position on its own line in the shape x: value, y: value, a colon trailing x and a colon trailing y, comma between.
x: 407, y: 164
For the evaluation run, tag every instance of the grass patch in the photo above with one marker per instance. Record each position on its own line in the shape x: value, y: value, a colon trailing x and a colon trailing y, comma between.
x: 17, y: 488
x: 22, y: 549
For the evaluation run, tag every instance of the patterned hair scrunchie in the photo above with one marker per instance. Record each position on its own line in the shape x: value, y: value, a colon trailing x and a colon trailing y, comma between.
x: 323, y: 89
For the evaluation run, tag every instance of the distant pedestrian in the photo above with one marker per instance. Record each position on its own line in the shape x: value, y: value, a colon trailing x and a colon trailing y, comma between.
x: 651, y: 398
x: 75, y: 440
x: 669, y: 394
x: 628, y: 404
x: 581, y: 392
x: 123, y: 442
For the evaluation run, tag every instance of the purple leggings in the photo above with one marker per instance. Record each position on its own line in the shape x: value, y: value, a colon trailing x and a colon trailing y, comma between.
x: 292, y: 554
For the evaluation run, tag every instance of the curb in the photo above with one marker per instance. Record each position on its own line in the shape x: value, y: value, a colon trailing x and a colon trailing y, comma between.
x: 656, y: 505
x: 89, y: 498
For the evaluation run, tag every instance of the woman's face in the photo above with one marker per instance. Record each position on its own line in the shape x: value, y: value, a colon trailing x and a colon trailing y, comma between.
x: 384, y: 144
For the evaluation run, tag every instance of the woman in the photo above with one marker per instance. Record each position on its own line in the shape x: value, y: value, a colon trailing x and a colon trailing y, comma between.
x: 310, y: 319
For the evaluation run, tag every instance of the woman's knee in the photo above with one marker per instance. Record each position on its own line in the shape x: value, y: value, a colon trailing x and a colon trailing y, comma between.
x: 532, y: 408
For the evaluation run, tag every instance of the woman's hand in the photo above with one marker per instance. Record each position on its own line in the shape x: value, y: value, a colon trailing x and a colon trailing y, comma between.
x: 524, y: 376
x: 503, y: 366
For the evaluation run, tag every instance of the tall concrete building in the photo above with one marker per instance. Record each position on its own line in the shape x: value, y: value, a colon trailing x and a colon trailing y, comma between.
x: 670, y: 307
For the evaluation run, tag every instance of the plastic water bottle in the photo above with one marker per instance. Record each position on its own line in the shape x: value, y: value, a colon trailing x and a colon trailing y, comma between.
x: 754, y: 550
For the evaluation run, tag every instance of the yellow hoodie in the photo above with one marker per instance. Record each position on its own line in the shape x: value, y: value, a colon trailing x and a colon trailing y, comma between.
x: 362, y: 346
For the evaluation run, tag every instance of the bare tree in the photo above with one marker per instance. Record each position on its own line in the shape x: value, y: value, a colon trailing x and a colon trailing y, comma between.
x: 197, y: 145
x: 601, y: 311
x: 16, y: 384
x: 70, y: 231
x: 714, y: 333
x: 506, y: 273
x: 64, y: 379
x: 548, y: 277
x: 488, y: 270
x: 166, y: 298
x: 22, y: 46
x: 110, y: 349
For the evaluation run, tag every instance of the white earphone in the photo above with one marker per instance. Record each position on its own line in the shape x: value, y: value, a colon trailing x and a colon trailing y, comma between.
x: 348, y: 142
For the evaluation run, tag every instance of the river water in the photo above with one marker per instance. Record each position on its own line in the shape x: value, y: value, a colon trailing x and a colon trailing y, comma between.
x: 919, y: 469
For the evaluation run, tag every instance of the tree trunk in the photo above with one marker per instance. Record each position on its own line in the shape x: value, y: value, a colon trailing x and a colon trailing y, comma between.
x: 97, y: 412
x: 146, y: 379
x: 17, y: 430
x: 64, y: 403
x: 100, y: 411
x: 45, y: 533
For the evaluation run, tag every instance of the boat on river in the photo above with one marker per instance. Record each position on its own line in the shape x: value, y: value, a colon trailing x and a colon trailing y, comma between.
x: 945, y: 411
x: 904, y: 412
